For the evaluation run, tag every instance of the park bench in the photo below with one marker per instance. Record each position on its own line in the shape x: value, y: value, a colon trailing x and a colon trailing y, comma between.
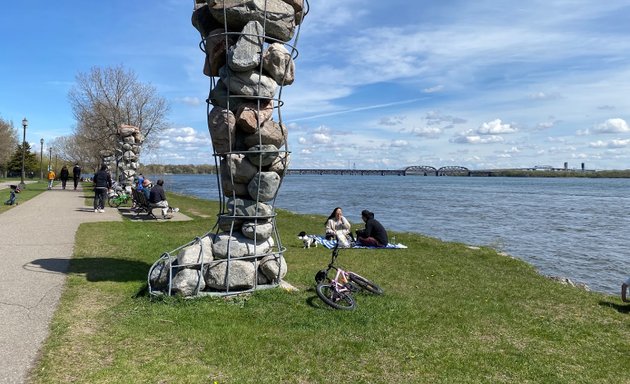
x: 141, y: 204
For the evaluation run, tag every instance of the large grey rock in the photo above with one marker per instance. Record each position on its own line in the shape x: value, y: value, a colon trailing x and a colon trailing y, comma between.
x: 262, y: 155
x: 127, y: 130
x: 250, y: 83
x: 280, y: 16
x: 238, y: 246
x: 130, y: 155
x: 227, y: 224
x: 264, y: 186
x: 280, y: 164
x: 250, y: 115
x: 199, y: 252
x: 242, y: 275
x: 203, y: 21
x: 249, y: 208
x: 220, y: 96
x: 160, y: 274
x: 298, y: 7
x: 278, y: 64
x: 274, y: 267
x: 245, y: 54
x: 238, y: 168
x: 261, y: 231
x: 188, y: 282
x: 215, y: 46
x: 221, y: 124
x: 271, y: 133
x: 234, y: 189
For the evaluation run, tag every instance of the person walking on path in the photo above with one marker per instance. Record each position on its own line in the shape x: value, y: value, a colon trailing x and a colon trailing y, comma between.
x: 35, y: 260
x: 51, y: 178
x: 76, y: 175
x: 102, y: 182
x: 64, y: 175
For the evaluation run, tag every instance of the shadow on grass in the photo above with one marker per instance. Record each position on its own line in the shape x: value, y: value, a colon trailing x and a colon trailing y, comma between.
x: 617, y: 307
x: 98, y: 268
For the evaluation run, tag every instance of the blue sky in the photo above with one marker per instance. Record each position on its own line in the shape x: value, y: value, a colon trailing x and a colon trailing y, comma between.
x: 385, y: 85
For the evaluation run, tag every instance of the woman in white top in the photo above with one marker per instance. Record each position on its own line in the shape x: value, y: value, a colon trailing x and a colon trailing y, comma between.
x: 338, y: 226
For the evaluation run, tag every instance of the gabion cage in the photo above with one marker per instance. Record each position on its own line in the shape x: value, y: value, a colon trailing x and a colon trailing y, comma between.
x: 250, y: 50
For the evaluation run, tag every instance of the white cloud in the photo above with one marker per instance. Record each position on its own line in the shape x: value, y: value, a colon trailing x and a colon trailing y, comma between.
x: 392, y: 120
x: 476, y: 139
x: 400, y: 143
x: 321, y: 138
x: 613, y: 126
x: 617, y: 143
x: 495, y: 127
x: 427, y: 131
x: 435, y: 89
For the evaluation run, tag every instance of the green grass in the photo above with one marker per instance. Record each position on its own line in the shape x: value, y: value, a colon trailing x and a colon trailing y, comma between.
x: 450, y: 314
x: 31, y: 190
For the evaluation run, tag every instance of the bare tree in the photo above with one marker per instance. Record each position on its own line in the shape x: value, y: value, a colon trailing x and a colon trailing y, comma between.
x: 74, y: 149
x: 105, y: 98
x: 8, y: 142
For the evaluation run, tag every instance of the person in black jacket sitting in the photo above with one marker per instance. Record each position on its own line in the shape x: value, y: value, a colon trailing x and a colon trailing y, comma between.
x: 374, y: 234
x: 157, y: 198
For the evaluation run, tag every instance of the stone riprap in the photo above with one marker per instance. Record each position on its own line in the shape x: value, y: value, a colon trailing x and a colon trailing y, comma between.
x: 249, y: 57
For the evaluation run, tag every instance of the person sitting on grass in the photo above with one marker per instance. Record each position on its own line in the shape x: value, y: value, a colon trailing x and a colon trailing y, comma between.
x: 374, y: 234
x: 12, y: 195
x: 337, y: 226
x: 157, y: 198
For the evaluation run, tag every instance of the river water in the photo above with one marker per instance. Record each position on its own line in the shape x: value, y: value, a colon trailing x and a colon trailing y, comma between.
x: 571, y: 227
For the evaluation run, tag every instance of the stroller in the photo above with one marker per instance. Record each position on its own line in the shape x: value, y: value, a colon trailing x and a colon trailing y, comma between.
x: 12, y: 195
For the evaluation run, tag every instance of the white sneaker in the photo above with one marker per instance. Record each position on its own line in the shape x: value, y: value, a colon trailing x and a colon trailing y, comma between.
x: 96, y: 210
x: 101, y: 210
x: 175, y: 209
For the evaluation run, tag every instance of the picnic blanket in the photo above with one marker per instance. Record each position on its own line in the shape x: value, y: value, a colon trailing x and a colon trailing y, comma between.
x: 330, y: 244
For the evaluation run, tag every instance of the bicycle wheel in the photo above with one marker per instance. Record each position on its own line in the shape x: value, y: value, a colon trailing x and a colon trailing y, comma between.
x: 113, y: 202
x: 365, y: 283
x: 337, y: 300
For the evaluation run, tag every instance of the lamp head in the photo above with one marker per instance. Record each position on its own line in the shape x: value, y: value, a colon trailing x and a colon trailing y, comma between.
x: 24, y: 122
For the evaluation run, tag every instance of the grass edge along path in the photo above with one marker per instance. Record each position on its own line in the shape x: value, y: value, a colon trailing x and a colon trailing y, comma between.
x: 449, y: 314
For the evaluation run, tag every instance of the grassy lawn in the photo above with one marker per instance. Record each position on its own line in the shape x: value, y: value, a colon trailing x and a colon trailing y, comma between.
x: 32, y: 190
x: 450, y: 314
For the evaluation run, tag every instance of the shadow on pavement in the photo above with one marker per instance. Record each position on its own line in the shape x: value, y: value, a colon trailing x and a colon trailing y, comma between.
x: 97, y: 268
x: 617, y: 307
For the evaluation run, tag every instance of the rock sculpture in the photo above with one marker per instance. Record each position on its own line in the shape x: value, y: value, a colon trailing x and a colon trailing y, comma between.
x: 249, y: 59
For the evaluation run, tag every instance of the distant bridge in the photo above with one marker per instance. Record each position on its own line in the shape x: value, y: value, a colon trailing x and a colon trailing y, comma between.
x: 415, y: 170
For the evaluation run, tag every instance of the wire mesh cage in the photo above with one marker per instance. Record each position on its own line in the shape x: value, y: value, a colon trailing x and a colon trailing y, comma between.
x: 250, y: 51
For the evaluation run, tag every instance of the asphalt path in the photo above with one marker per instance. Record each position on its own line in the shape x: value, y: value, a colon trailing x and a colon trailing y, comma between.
x: 36, y: 242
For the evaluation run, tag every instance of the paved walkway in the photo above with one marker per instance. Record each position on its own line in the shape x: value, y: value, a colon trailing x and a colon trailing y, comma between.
x: 37, y: 240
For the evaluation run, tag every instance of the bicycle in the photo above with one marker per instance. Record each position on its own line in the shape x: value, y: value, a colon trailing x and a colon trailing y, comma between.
x: 118, y: 196
x: 337, y: 292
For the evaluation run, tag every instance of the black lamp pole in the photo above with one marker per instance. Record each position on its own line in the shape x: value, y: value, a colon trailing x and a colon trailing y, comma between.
x: 41, y: 159
x: 24, y: 124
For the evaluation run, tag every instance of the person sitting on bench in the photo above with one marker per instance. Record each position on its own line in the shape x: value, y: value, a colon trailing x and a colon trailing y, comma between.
x: 157, y: 198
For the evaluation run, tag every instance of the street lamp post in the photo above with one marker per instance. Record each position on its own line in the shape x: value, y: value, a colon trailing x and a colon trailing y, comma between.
x: 50, y: 159
x: 24, y: 124
x: 41, y: 159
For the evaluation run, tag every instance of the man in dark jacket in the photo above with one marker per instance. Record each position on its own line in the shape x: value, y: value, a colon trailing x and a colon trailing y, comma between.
x: 157, y: 198
x: 102, y: 182
x: 76, y: 175
x: 374, y: 234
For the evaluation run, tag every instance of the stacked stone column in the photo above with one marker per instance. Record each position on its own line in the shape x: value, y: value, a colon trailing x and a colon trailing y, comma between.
x: 249, y: 59
x: 128, y: 152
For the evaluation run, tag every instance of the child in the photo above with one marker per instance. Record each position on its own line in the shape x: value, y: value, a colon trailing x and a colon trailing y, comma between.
x: 12, y: 198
